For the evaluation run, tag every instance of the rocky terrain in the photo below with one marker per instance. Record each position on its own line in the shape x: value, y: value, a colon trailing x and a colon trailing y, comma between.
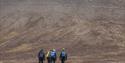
x: 92, y: 31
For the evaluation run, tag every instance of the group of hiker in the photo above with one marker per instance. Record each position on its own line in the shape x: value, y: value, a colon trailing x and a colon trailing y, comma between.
x: 51, y: 56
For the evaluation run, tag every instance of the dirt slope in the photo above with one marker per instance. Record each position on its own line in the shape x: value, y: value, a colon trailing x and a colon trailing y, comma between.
x: 92, y: 31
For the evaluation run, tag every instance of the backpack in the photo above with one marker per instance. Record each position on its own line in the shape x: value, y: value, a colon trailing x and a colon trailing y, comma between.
x: 53, y: 54
x: 63, y: 54
x: 41, y: 54
x: 48, y: 54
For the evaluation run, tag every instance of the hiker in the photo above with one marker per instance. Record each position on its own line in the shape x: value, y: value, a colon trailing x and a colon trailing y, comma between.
x: 41, y: 56
x: 63, y: 55
x: 53, y: 56
x: 48, y: 57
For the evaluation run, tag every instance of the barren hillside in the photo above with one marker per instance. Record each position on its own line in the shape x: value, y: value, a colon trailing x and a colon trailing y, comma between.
x: 92, y: 31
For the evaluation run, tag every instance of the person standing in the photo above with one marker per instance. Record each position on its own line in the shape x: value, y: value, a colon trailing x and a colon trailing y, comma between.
x: 48, y: 57
x: 41, y: 56
x: 53, y: 56
x: 63, y: 56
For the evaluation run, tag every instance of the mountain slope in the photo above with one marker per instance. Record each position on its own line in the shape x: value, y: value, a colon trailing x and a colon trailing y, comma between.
x: 92, y: 31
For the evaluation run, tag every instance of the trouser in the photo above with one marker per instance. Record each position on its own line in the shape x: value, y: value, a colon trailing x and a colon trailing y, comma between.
x: 40, y: 61
x: 48, y: 60
x: 63, y: 59
x: 53, y: 60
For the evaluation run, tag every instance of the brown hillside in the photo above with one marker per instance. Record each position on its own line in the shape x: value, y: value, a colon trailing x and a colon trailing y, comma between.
x: 92, y: 31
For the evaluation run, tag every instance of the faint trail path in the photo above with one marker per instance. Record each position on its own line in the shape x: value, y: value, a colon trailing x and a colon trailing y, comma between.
x: 72, y: 59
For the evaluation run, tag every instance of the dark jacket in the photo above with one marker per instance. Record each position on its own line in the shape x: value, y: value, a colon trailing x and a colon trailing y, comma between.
x: 63, y: 57
x: 41, y: 55
x: 54, y: 57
